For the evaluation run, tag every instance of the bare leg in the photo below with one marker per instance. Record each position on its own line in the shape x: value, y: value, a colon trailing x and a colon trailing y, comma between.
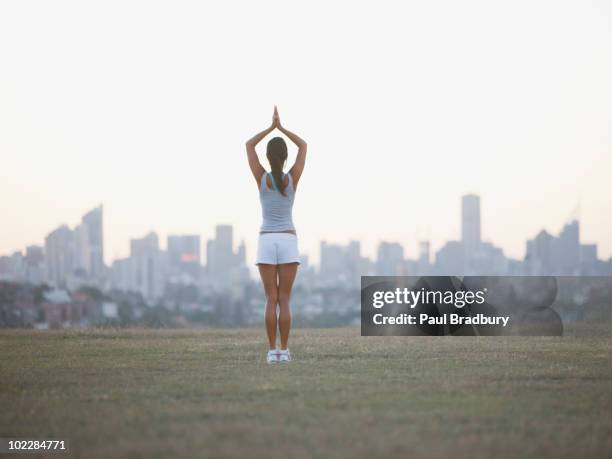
x: 269, y: 274
x: 286, y: 276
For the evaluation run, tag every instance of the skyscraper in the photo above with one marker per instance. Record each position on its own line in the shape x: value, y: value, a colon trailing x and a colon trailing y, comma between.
x: 145, y: 245
x: 549, y: 255
x: 423, y: 263
x: 224, y: 267
x: 145, y: 269
x: 224, y: 238
x: 220, y: 251
x: 34, y: 265
x: 470, y: 224
x: 568, y: 249
x: 79, y: 251
x: 424, y: 248
x: 92, y: 224
x: 450, y: 259
x: 389, y: 259
x: 184, y: 249
x: 82, y: 258
x: 60, y: 255
x: 341, y: 264
x: 184, y: 255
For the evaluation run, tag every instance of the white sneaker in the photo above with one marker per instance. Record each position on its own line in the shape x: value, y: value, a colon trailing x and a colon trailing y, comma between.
x: 284, y: 355
x: 273, y: 356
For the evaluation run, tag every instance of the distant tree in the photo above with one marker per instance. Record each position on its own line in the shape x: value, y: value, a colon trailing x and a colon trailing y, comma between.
x: 125, y: 312
x: 92, y: 292
x: 11, y: 317
x: 39, y: 293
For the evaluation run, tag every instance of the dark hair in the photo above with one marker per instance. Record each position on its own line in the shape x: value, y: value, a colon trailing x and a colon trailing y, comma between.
x: 277, y: 155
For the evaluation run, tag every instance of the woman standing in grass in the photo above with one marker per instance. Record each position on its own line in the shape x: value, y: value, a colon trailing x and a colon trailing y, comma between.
x: 277, y: 247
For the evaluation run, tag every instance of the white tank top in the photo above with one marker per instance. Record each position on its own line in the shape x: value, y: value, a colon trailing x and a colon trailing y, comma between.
x: 276, y: 209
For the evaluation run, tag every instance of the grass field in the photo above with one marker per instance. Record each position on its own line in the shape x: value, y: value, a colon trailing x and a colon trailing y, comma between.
x: 189, y: 394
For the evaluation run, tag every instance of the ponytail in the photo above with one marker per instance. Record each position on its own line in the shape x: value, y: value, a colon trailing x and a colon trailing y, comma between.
x: 277, y: 155
x: 277, y: 176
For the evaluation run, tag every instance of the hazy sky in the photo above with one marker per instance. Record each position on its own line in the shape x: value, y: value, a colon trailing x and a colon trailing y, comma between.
x: 145, y: 107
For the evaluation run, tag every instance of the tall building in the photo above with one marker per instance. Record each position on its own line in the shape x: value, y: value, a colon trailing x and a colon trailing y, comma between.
x: 60, y: 255
x: 423, y: 264
x: 588, y: 254
x: 6, y: 268
x: 79, y: 251
x: 144, y: 271
x: 589, y: 262
x: 34, y: 262
x: 539, y: 256
x: 450, y: 259
x: 220, y: 251
x: 562, y: 255
x: 145, y: 245
x: 424, y: 248
x: 567, y: 250
x: 184, y: 257
x: 92, y: 227
x: 341, y: 264
x: 184, y: 249
x: 13, y: 268
x: 389, y: 259
x: 224, y: 266
x: 82, y: 258
x: 333, y: 262
x: 470, y: 224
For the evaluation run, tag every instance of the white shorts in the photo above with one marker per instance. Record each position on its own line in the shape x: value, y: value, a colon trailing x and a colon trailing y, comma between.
x: 277, y: 249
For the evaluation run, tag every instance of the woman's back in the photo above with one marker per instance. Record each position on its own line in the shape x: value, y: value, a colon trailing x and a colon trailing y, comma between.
x: 276, y: 209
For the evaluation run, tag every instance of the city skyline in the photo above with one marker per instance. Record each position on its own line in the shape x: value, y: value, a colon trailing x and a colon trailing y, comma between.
x: 464, y: 232
x: 85, y: 243
x: 314, y: 257
x: 66, y: 283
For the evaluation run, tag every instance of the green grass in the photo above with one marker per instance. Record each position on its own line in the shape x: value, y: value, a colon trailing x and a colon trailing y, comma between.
x: 187, y: 394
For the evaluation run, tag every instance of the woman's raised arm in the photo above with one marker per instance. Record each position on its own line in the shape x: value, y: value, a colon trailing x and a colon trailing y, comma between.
x: 256, y: 167
x: 300, y: 160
